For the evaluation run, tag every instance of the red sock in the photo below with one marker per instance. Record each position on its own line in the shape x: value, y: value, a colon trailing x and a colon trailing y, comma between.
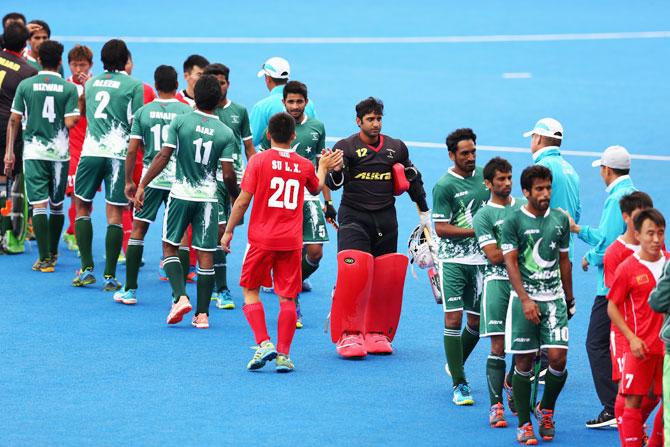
x: 127, y: 222
x: 256, y: 318
x: 619, y: 405
x: 656, y: 437
x: 648, y: 405
x: 72, y: 215
x: 286, y: 326
x: 633, y: 431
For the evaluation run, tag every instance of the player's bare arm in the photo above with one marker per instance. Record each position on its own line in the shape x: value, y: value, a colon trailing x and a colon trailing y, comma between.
x: 239, y: 208
x: 447, y: 230
x: 134, y: 146
x: 637, y: 346
x: 493, y: 253
x: 530, y: 308
x: 157, y: 165
x: 13, y: 125
x: 71, y: 121
x: 249, y: 148
x: 327, y: 162
x: 566, y: 280
x: 230, y: 179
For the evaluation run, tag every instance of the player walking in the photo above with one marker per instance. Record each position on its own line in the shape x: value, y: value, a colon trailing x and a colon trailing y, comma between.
x: 148, y: 133
x: 276, y: 180
x: 50, y: 107
x: 201, y: 142
x: 457, y: 197
x: 488, y: 223
x: 535, y: 244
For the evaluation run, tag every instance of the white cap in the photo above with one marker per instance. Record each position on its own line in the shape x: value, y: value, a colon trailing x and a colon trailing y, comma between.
x: 547, y: 127
x: 615, y: 157
x: 276, y: 67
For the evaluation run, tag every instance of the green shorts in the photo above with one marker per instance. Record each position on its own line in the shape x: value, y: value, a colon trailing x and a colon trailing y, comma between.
x: 313, y: 223
x: 461, y: 286
x: 224, y: 204
x: 90, y: 174
x: 494, y: 303
x: 179, y: 214
x: 153, y: 199
x: 45, y: 180
x: 523, y: 337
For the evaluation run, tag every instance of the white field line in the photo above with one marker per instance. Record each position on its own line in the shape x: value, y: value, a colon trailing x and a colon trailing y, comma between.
x: 518, y: 150
x: 376, y: 40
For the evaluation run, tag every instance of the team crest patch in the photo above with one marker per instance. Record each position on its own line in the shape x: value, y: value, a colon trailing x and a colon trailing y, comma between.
x: 349, y: 260
x: 235, y: 119
x: 642, y: 279
x: 315, y: 136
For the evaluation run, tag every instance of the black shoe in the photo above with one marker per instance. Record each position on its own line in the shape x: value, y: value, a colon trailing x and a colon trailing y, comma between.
x: 604, y: 420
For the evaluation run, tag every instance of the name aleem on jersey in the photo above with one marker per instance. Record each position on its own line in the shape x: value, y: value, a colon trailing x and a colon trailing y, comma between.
x: 106, y: 83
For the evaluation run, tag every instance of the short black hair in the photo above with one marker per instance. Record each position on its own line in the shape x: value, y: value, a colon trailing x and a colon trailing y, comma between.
x: 458, y: 135
x: 50, y: 54
x: 532, y: 173
x: 217, y: 69
x: 281, y: 127
x: 114, y: 55
x: 651, y: 214
x: 194, y: 60
x: 165, y: 78
x: 369, y: 105
x: 279, y: 81
x: 15, y: 36
x: 295, y: 87
x: 43, y: 24
x: 636, y: 200
x: 496, y: 164
x: 551, y: 141
x: 620, y: 172
x: 13, y: 16
x: 207, y: 92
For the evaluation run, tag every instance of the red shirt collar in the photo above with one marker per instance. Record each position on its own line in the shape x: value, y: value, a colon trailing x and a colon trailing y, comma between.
x: 379, y: 145
x: 12, y: 52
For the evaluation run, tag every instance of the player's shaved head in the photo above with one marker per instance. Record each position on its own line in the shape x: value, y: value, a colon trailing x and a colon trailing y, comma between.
x: 207, y: 92
x: 281, y: 128
x: 16, y: 35
x: 114, y: 55
x: 50, y: 54
x: 217, y: 69
x: 194, y: 60
x: 165, y: 79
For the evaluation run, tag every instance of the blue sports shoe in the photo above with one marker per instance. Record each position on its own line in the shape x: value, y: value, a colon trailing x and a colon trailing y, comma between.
x: 84, y: 278
x: 110, y: 284
x: 224, y: 300
x: 126, y: 296
x: 462, y: 395
x: 264, y: 353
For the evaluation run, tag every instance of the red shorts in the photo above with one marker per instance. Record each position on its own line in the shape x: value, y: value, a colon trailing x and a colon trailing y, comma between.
x: 285, y: 267
x: 639, y: 376
x: 617, y: 344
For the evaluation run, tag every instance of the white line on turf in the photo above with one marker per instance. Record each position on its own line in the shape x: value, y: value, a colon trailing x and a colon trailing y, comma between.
x: 379, y: 40
x: 520, y: 75
x: 518, y: 150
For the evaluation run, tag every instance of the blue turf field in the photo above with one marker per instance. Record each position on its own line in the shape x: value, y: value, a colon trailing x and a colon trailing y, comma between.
x: 76, y: 368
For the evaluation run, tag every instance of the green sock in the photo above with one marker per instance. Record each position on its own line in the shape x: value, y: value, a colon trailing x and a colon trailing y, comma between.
x: 113, y: 243
x: 173, y: 270
x: 495, y: 376
x: 41, y: 230
x: 185, y: 260
x: 220, y: 270
x: 308, y: 266
x: 133, y: 261
x: 83, y: 229
x: 553, y: 384
x: 521, y: 389
x: 56, y: 221
x: 469, y: 339
x: 205, y: 287
x: 453, y: 349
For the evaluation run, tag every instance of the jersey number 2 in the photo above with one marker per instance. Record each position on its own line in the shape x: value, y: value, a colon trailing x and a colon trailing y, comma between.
x: 288, y: 188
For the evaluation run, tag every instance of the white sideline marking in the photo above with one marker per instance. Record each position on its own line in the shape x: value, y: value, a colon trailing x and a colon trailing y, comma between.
x: 377, y: 40
x: 521, y: 75
x: 518, y: 150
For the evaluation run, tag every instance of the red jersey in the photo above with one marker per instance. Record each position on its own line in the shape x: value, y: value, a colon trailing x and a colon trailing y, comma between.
x: 277, y: 179
x: 149, y: 94
x: 182, y: 96
x: 615, y: 254
x: 78, y: 132
x: 633, y: 282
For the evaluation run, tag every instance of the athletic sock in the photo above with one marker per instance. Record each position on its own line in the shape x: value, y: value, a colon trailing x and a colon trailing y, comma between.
x: 308, y: 266
x: 72, y: 215
x: 83, y: 230
x: 495, y: 376
x: 56, y: 222
x: 619, y: 405
x: 656, y: 436
x: 127, y: 225
x: 553, y: 384
x: 220, y: 270
x: 113, y: 241
x: 133, y: 261
x: 469, y: 339
x: 521, y: 389
x: 453, y: 350
x: 632, y: 425
x: 184, y: 260
x: 204, y: 287
x: 255, y: 315
x: 286, y: 326
x: 173, y: 270
x: 41, y: 230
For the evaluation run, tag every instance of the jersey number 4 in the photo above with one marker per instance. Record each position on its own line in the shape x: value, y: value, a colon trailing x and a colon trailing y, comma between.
x: 49, y: 109
x: 285, y: 193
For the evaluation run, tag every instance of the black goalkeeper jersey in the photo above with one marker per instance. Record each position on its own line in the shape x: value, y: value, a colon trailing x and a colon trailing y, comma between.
x: 13, y: 70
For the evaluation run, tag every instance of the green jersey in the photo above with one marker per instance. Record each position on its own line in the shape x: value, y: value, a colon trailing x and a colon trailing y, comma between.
x: 538, y: 241
x: 488, y: 224
x: 112, y: 98
x: 202, y: 142
x: 45, y: 100
x: 236, y: 117
x: 150, y: 125
x: 456, y: 200
x: 37, y: 66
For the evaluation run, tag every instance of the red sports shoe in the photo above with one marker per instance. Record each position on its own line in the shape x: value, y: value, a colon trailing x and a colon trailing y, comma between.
x: 351, y: 345
x: 200, y: 321
x: 377, y: 344
x: 179, y: 309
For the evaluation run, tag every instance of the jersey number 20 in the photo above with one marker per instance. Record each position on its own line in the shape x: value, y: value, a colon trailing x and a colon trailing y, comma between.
x: 285, y: 193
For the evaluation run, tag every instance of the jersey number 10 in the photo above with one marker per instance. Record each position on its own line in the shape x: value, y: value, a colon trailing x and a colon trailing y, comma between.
x: 288, y: 189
